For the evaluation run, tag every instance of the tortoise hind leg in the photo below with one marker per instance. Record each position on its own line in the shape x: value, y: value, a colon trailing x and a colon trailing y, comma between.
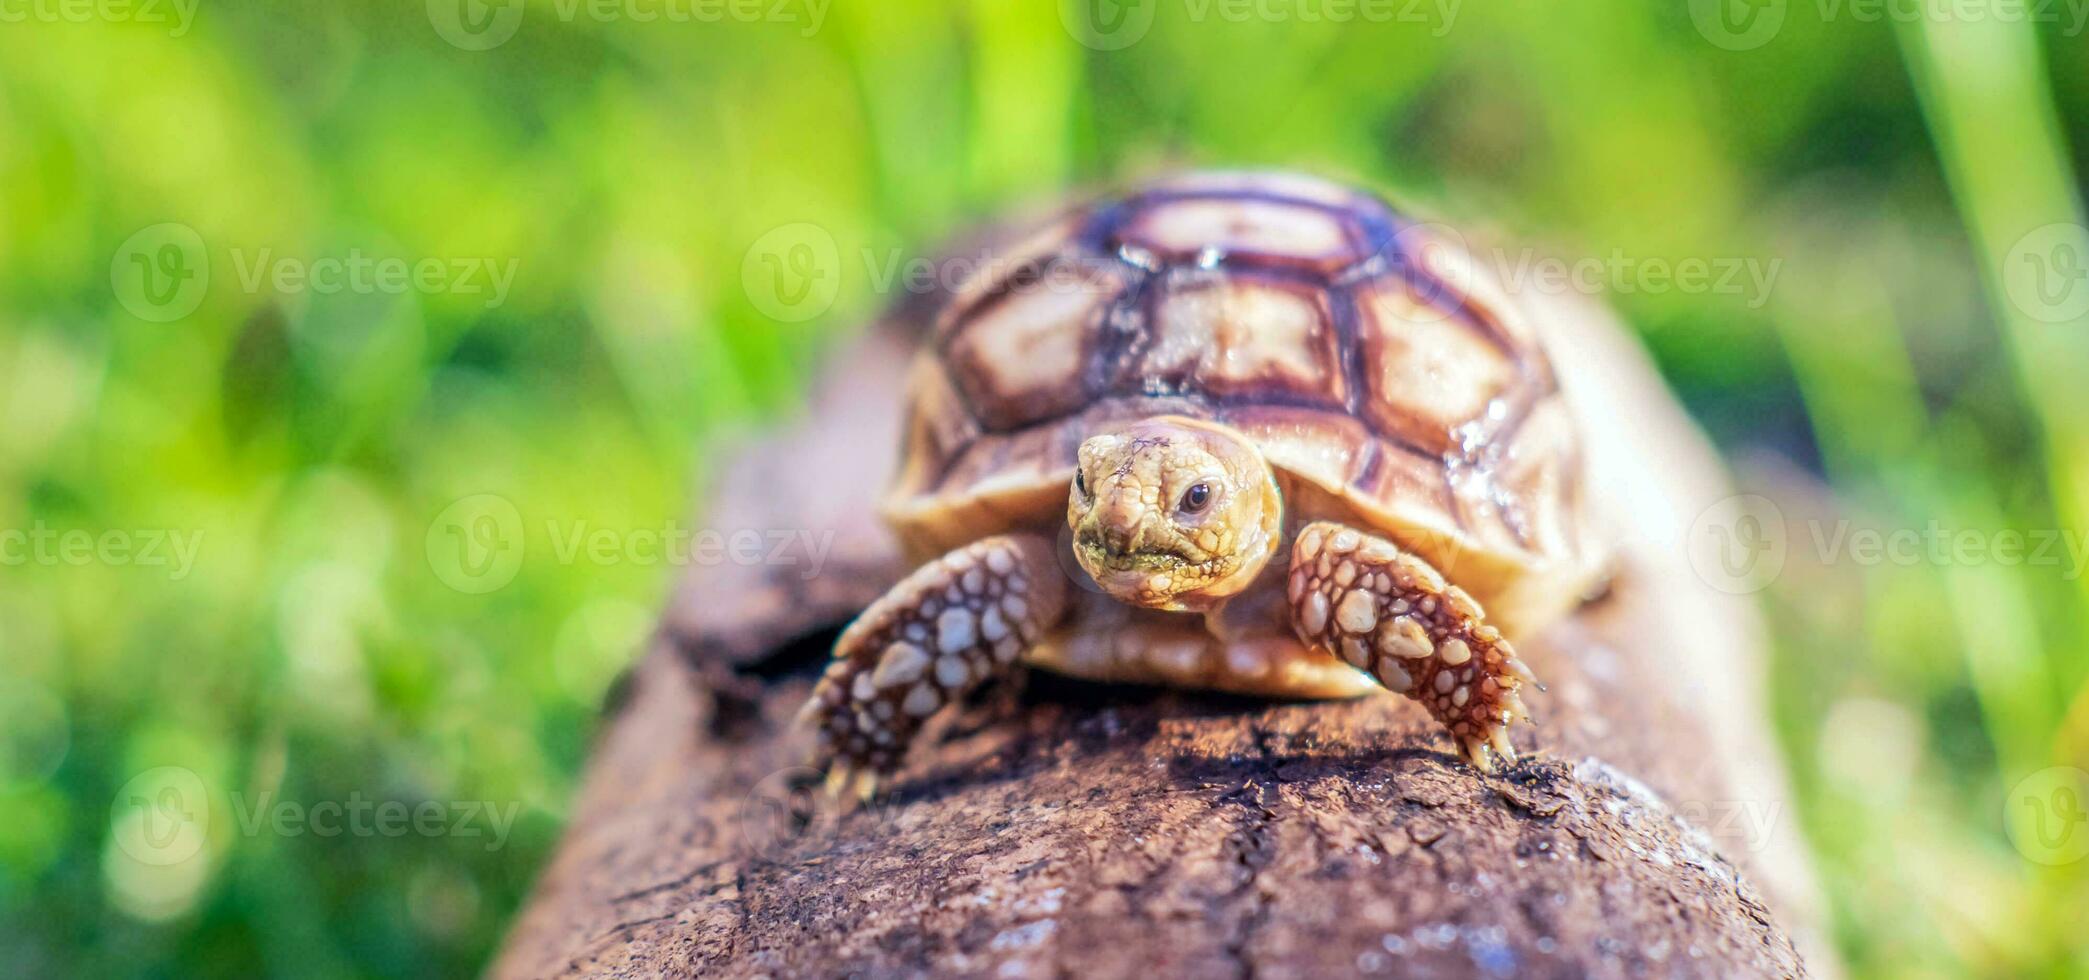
x: 1358, y: 597
x: 954, y: 623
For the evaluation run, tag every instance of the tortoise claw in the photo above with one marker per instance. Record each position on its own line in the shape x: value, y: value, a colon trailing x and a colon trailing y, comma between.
x: 1388, y: 613
x: 956, y: 622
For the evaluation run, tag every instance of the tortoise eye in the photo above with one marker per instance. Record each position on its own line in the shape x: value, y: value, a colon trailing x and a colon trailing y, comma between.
x: 1196, y: 498
x: 1081, y: 484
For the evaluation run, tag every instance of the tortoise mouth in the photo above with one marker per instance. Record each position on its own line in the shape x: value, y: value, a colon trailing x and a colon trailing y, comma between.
x: 1156, y: 577
x: 1136, y: 561
x: 1100, y: 556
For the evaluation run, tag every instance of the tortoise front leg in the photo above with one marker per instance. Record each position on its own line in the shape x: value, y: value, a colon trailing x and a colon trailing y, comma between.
x: 1359, y: 597
x: 952, y: 624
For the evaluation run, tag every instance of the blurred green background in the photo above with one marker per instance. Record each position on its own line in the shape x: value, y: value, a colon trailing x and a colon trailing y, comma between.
x: 1917, y: 359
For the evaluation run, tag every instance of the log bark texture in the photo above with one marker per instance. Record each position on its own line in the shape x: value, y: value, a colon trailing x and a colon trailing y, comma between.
x: 1081, y: 829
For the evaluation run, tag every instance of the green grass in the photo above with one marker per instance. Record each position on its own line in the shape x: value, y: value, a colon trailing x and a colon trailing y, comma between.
x: 307, y: 444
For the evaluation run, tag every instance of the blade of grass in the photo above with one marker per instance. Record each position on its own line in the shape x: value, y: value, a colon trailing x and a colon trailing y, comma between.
x: 1982, y: 84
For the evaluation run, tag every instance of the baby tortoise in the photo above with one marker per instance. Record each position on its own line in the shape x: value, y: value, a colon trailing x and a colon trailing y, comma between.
x: 1285, y: 454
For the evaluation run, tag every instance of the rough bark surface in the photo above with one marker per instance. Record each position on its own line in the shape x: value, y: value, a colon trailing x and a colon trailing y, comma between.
x: 1081, y: 829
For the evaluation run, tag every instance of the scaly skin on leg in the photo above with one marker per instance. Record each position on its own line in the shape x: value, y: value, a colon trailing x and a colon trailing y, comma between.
x: 952, y: 624
x: 1358, y: 597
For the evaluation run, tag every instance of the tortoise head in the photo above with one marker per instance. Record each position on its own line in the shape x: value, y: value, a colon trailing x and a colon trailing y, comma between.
x: 1173, y: 513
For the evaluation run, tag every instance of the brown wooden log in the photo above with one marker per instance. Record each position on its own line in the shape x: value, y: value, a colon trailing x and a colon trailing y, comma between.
x: 1082, y: 829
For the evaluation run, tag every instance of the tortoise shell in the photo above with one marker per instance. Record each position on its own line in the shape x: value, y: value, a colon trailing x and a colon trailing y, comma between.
x: 1383, y: 375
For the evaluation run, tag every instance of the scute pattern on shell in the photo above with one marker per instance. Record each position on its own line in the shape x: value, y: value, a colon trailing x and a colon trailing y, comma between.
x: 1366, y: 353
